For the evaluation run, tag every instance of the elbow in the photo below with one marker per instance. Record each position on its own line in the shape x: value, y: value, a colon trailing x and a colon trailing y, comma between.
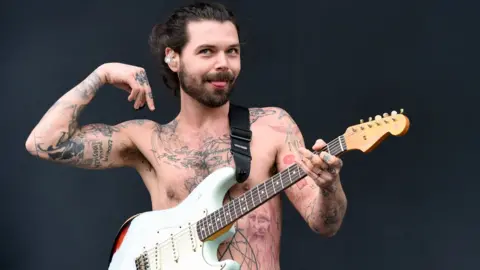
x: 30, y: 145
x: 325, y: 231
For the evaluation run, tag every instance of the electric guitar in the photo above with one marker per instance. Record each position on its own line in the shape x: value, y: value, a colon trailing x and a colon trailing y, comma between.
x: 187, y: 236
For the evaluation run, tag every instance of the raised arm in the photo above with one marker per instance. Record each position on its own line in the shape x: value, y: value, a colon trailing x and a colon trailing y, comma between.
x: 58, y: 137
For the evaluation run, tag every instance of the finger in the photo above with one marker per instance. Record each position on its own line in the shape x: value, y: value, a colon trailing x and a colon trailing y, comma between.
x: 135, y: 89
x: 133, y: 94
x: 310, y: 170
x: 327, y: 177
x: 319, y: 144
x: 318, y: 162
x: 140, y: 102
x: 149, y: 96
x: 303, y: 163
x: 305, y: 153
x: 329, y: 159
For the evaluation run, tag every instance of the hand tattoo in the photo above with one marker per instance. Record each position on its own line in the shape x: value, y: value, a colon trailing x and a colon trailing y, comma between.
x: 141, y: 78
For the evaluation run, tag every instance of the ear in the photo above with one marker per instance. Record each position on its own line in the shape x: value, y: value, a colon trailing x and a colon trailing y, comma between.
x: 171, y: 58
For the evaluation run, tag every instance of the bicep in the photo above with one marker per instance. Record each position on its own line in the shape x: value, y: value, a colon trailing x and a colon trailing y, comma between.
x: 93, y: 146
x: 289, y: 140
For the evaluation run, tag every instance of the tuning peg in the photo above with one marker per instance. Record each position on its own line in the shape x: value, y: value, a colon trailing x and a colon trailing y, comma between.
x: 401, y: 110
x: 394, y: 112
x: 385, y: 115
x: 361, y: 121
x: 369, y: 118
x: 378, y: 117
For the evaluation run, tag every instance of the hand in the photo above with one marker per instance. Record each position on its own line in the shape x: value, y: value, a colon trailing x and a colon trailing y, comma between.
x: 131, y: 79
x: 324, y: 168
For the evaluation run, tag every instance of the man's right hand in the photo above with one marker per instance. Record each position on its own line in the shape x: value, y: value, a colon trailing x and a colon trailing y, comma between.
x: 130, y: 78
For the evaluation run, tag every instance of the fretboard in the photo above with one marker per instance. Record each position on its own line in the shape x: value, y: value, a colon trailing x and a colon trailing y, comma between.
x: 258, y: 195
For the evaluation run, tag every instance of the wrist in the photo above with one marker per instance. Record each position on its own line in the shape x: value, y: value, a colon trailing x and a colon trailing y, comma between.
x: 101, y: 73
x: 326, y: 190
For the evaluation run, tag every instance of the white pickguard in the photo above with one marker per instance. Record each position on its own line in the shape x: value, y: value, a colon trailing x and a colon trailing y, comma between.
x: 151, y: 232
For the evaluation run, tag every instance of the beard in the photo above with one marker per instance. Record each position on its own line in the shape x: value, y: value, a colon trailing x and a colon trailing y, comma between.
x: 197, y: 88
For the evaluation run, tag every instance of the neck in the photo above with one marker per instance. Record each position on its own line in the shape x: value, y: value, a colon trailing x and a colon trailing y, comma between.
x: 197, y: 115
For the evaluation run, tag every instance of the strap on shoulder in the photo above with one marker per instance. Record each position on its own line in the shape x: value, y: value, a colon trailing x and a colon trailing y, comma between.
x: 241, y: 136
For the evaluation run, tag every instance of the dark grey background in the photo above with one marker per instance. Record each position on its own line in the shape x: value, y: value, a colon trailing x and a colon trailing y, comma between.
x: 412, y: 202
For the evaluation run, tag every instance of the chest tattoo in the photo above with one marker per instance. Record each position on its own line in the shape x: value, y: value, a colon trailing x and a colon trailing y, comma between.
x: 212, y: 153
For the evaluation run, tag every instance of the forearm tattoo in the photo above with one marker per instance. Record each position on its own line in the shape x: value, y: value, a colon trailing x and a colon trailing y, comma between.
x: 89, y: 87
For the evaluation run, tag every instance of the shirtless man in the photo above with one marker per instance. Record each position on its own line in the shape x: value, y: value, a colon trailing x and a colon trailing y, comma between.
x: 200, y: 53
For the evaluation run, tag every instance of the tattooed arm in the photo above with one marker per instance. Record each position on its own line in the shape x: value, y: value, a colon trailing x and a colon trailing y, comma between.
x: 322, y: 208
x: 57, y: 137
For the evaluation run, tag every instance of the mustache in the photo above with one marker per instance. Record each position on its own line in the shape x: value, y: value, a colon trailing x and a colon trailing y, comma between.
x: 220, y: 76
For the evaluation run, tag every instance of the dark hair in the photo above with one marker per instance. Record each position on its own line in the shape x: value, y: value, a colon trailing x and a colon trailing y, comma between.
x: 173, y: 33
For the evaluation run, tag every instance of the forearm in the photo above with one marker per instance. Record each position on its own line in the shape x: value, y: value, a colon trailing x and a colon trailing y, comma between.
x: 60, y: 122
x: 326, y: 211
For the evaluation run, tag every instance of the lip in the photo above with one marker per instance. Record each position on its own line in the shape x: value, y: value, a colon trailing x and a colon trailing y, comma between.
x: 218, y: 84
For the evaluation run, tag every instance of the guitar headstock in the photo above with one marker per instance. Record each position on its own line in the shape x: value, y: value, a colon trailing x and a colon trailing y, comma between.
x: 367, y: 135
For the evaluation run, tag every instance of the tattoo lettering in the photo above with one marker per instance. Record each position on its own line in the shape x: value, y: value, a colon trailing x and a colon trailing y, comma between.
x: 291, y: 139
x: 141, y: 78
x: 90, y: 147
x: 89, y: 87
x: 257, y: 113
x: 212, y: 153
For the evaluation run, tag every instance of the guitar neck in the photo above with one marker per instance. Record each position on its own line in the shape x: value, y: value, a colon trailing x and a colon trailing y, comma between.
x: 250, y: 200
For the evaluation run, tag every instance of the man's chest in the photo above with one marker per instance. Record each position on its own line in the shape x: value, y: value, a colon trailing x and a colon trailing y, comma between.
x: 182, y: 163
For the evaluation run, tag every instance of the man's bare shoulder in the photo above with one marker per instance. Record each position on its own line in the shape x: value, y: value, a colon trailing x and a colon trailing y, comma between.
x: 268, y: 116
x: 137, y: 125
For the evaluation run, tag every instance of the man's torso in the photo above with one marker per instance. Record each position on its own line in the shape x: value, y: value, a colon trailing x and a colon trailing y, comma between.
x: 178, y: 161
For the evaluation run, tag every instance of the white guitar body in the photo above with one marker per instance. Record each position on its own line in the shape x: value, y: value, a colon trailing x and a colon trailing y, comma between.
x: 151, y: 232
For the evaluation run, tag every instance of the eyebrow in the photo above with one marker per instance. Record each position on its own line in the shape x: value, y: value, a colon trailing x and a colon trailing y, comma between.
x: 205, y: 46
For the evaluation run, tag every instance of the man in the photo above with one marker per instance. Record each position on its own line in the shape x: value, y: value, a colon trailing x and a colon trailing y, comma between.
x: 200, y: 56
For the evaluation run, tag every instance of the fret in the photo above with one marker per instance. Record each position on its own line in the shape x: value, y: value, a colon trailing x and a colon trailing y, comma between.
x: 253, y: 202
x: 217, y: 219
x: 224, y: 216
x: 244, y: 207
x: 264, y: 192
x: 273, y: 183
x: 300, y: 171
x: 281, y: 180
x: 289, y: 175
x: 260, y: 200
x: 208, y: 225
x: 235, y: 208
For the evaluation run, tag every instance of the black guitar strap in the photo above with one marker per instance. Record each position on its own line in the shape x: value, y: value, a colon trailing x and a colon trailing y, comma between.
x: 240, y: 135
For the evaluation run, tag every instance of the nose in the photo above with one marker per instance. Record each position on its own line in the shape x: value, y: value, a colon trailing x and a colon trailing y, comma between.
x: 221, y: 62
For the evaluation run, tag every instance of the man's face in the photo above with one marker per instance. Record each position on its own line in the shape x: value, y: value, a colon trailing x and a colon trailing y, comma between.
x: 210, y: 62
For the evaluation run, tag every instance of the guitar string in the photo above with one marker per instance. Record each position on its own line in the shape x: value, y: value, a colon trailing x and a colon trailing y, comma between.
x: 182, y: 232
x: 335, y: 143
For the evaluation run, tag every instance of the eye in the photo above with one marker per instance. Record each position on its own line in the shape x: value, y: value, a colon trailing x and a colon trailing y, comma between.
x: 233, y: 51
x: 205, y: 51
